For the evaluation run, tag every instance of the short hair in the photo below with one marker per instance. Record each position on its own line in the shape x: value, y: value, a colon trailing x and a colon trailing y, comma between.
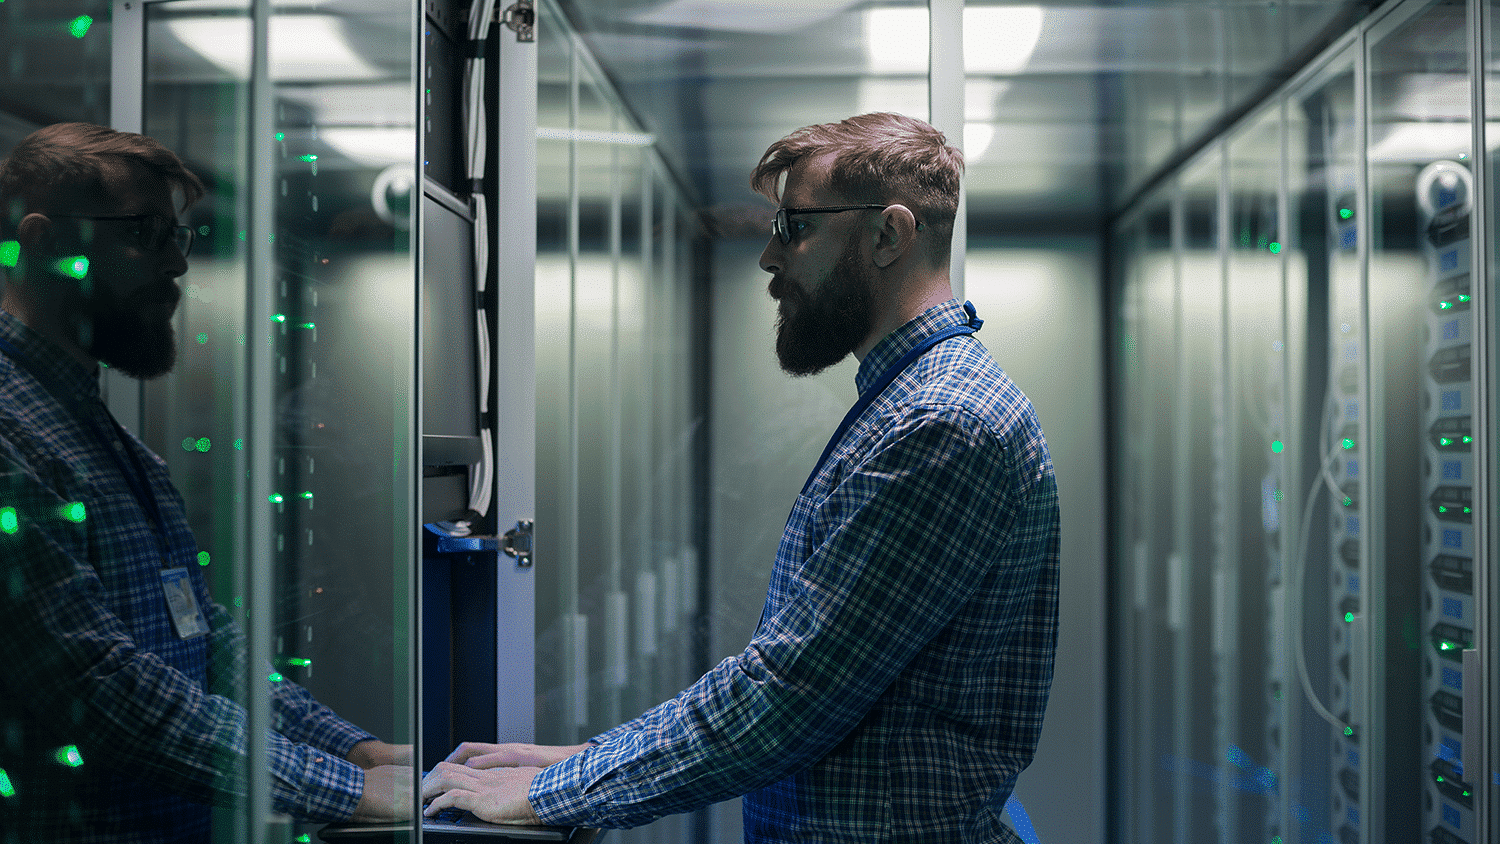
x: 75, y: 159
x: 879, y: 157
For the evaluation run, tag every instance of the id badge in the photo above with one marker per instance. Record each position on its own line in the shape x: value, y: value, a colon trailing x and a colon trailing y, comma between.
x: 187, y: 616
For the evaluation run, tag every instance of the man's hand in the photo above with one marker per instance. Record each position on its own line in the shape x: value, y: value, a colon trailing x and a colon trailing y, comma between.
x: 387, y: 795
x: 373, y: 754
x: 480, y: 755
x: 497, y: 795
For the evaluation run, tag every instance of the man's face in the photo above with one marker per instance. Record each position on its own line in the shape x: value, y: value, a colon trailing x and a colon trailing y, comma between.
x: 121, y: 311
x: 822, y: 280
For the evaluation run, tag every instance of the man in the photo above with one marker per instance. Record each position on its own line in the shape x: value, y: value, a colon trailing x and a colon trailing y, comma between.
x: 117, y: 713
x: 895, y: 686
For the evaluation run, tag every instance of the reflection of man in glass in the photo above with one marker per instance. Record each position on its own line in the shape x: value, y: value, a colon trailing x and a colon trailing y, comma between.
x: 118, y: 719
x: 894, y: 688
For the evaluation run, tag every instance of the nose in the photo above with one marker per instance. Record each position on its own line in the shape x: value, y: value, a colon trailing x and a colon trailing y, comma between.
x: 770, y: 258
x: 174, y: 263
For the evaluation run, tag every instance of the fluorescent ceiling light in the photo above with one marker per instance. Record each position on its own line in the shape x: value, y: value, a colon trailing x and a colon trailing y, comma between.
x: 302, y: 47
x: 372, y: 146
x: 997, y: 39
x: 743, y: 16
x: 629, y: 139
x: 1421, y: 142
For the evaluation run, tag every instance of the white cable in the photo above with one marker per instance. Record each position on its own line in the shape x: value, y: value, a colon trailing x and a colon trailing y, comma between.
x: 481, y: 209
x: 484, y: 358
x: 1300, y: 573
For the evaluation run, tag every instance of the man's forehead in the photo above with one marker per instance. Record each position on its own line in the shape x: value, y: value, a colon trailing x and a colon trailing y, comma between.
x: 806, y: 183
x: 133, y: 188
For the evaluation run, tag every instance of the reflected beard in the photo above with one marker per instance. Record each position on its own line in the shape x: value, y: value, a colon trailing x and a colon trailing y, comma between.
x: 815, y: 332
x: 128, y: 337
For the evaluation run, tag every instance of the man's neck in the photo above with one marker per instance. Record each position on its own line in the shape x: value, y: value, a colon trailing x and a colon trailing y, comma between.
x: 904, y: 308
x: 44, y: 324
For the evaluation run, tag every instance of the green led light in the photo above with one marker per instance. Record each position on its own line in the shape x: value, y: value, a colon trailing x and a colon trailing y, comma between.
x: 1442, y: 509
x: 278, y: 317
x: 10, y: 253
x: 1278, y: 495
x: 10, y: 520
x: 75, y: 512
x: 307, y: 495
x: 202, y: 338
x: 275, y: 677
x: 1468, y: 440
x: 74, y: 267
x: 6, y: 789
x: 203, y: 230
x: 1348, y: 443
x: 1275, y: 248
x: 304, y: 838
x: 1444, y: 305
x: 1462, y: 298
x: 203, y: 558
x: 239, y: 445
x: 79, y: 26
x: 1348, y: 731
x: 1277, y: 446
x: 1346, y: 213
x: 1349, y: 617
x: 276, y: 498
x: 299, y: 662
x: 68, y: 755
x: 1348, y: 501
x: 309, y: 158
x: 1440, y: 778
x: 1445, y: 441
x: 280, y: 136
x: 309, y: 326
x: 203, y: 445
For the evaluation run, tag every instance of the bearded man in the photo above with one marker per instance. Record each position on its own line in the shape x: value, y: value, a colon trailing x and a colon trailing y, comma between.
x: 895, y: 686
x: 118, y: 701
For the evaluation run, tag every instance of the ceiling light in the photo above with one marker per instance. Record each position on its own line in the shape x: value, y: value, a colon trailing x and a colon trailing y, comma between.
x: 997, y: 39
x: 302, y: 47
x: 372, y: 146
x: 743, y: 16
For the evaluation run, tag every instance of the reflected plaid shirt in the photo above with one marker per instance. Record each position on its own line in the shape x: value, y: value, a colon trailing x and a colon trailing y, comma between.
x: 895, y: 686
x: 92, y: 660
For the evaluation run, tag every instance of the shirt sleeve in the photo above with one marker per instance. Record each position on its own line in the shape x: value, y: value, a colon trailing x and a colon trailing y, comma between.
x: 897, y: 548
x: 74, y: 666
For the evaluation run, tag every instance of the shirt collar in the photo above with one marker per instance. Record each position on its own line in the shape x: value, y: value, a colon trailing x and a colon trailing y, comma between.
x: 48, y: 363
x: 904, y: 339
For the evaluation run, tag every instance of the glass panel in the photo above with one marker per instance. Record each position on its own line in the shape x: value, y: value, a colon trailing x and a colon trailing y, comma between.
x: 1417, y: 593
x: 1308, y: 668
x: 1248, y: 588
x: 339, y: 345
x: 1489, y: 323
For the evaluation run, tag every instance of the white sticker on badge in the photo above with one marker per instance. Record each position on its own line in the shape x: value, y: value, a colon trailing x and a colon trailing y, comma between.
x: 187, y: 616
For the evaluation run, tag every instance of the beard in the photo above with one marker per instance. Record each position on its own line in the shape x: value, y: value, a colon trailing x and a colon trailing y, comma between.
x: 817, y: 330
x: 133, y: 334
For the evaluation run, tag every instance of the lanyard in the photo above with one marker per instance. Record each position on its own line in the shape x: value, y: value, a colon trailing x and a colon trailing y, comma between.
x: 892, y: 372
x: 114, y: 440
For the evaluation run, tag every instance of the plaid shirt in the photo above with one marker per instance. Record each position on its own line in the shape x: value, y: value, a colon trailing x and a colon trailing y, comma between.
x: 895, y: 686
x: 92, y: 659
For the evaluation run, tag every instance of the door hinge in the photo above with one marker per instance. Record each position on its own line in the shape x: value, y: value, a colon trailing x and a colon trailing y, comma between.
x: 517, y: 543
x: 521, y: 17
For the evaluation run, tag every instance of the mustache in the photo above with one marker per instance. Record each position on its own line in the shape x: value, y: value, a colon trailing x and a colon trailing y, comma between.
x: 165, y: 293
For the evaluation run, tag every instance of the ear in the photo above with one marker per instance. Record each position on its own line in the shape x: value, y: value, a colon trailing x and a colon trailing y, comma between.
x: 897, y: 235
x: 36, y: 234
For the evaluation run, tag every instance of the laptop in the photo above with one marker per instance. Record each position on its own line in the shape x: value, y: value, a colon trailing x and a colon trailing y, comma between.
x: 452, y: 827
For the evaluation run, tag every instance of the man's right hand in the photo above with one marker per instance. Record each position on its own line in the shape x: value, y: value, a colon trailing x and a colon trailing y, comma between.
x: 389, y: 794
x: 476, y: 754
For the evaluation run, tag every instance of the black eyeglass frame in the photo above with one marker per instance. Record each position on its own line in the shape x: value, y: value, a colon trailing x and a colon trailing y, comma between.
x: 781, y: 225
x: 180, y: 235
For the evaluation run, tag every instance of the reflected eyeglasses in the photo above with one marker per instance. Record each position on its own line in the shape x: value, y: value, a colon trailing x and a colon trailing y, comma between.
x: 781, y: 226
x: 153, y: 232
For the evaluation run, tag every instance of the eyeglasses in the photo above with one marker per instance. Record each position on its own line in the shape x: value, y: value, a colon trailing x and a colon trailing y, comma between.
x: 782, y: 225
x: 153, y: 232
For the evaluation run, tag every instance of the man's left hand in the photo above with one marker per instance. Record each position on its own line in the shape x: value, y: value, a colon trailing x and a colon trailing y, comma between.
x: 373, y: 754
x: 497, y: 795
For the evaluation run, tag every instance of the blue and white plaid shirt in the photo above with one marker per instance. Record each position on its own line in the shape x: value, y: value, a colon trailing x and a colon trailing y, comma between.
x: 93, y: 663
x: 895, y: 686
